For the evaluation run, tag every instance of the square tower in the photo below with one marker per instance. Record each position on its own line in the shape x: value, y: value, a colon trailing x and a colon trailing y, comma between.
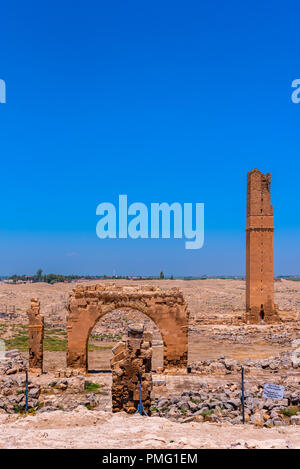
x: 259, y: 250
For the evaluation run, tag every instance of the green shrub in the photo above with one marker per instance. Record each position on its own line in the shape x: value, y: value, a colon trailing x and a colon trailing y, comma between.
x: 89, y: 386
x: 88, y: 406
x: 18, y: 409
x: 289, y: 412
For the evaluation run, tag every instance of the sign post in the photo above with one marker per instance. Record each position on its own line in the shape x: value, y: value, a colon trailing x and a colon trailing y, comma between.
x: 26, y: 391
x: 243, y: 396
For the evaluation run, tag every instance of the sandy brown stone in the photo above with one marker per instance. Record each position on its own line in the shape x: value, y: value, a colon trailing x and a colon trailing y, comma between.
x: 259, y: 250
x: 132, y: 370
x: 36, y: 337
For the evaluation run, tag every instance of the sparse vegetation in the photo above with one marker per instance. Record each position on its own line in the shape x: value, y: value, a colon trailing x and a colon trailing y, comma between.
x: 88, y: 406
x: 153, y: 409
x: 207, y: 412
x: 18, y: 409
x: 54, y: 344
x: 56, y: 331
x: 54, y: 341
x: 290, y: 411
x: 90, y: 386
x: 20, y: 342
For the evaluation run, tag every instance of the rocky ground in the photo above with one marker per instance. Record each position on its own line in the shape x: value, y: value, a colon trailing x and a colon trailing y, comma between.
x: 213, y: 395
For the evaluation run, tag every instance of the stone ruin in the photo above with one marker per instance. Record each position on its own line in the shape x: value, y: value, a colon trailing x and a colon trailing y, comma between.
x: 167, y: 308
x: 132, y: 363
x: 36, y: 337
x: 87, y: 304
x: 260, y: 307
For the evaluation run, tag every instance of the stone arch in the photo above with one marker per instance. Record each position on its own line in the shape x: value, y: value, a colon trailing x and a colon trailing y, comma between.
x: 125, y: 306
x: 166, y: 308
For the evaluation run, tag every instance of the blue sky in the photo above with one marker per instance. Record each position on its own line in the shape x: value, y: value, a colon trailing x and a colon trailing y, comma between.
x: 163, y: 101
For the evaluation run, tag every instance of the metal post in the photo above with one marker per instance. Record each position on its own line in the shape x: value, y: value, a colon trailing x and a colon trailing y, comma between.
x: 140, y: 408
x: 26, y: 391
x: 243, y: 396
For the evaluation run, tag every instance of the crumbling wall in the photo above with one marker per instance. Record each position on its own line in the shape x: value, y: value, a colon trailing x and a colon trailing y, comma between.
x: 260, y: 305
x: 132, y: 358
x: 36, y: 337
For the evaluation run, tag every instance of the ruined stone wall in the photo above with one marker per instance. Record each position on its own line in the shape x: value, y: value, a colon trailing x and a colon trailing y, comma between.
x: 167, y: 308
x: 36, y: 337
x: 132, y: 358
x: 259, y: 250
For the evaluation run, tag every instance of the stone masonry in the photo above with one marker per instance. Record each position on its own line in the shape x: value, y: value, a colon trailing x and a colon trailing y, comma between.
x: 132, y: 358
x: 36, y: 337
x: 260, y: 307
x: 167, y: 308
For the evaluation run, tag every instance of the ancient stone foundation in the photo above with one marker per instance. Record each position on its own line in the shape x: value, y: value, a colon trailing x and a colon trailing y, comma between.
x: 167, y: 308
x: 36, y: 337
x: 260, y: 307
x: 131, y: 363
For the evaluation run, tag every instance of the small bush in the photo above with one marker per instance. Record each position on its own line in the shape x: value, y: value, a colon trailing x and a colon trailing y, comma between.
x: 89, y: 386
x: 88, y: 406
x: 289, y: 412
x: 18, y: 409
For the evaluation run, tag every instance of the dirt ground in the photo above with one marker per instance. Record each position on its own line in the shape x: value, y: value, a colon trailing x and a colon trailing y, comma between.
x: 91, y: 429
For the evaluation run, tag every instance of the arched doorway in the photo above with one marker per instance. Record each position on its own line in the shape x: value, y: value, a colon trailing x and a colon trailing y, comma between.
x: 167, y: 309
x: 111, y: 329
x: 262, y: 313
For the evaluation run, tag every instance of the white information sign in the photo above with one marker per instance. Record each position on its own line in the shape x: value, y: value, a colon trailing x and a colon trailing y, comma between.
x: 273, y: 391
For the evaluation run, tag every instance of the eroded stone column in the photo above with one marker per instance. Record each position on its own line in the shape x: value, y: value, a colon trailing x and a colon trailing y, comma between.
x: 260, y: 307
x: 132, y: 358
x: 36, y: 337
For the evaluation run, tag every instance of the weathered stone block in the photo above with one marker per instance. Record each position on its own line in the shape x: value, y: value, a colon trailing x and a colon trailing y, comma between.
x: 130, y: 376
x: 35, y: 336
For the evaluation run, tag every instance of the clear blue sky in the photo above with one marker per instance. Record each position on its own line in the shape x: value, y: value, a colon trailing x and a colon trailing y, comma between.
x: 163, y: 101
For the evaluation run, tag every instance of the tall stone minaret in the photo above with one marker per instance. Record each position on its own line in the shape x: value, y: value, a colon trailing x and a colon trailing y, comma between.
x: 260, y: 306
